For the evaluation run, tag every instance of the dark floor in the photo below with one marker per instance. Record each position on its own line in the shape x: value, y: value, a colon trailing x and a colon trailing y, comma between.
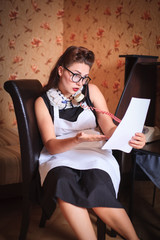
x: 146, y: 218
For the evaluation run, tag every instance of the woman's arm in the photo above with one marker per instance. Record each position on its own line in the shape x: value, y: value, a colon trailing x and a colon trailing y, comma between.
x: 105, y: 122
x: 47, y: 131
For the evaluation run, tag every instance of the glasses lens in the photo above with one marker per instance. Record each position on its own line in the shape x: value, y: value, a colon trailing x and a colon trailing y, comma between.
x: 76, y: 78
x: 86, y: 80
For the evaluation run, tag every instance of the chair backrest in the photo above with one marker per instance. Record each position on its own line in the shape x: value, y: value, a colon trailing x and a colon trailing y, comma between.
x: 141, y: 83
x: 23, y: 94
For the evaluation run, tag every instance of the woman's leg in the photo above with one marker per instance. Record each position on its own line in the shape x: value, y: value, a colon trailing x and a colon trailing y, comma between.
x: 79, y: 220
x: 117, y: 219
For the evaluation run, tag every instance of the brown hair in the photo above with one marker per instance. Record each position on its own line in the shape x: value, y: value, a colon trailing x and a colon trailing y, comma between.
x: 71, y: 55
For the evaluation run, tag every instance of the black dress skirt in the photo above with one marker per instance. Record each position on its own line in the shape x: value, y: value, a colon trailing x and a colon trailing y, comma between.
x: 83, y: 188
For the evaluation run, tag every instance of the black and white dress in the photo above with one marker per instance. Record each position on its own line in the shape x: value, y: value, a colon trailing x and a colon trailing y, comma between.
x: 85, y: 176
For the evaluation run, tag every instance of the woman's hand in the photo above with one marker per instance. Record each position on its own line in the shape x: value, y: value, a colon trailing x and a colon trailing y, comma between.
x: 138, y: 141
x: 84, y: 137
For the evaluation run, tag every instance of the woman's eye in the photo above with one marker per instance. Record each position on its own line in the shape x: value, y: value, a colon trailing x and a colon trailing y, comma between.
x: 77, y: 75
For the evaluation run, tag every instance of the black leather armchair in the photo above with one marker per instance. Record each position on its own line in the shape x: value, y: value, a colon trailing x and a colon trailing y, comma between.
x: 23, y: 94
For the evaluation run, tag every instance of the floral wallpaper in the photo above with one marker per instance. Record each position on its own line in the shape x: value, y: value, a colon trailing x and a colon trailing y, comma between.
x: 30, y: 42
x: 110, y: 29
x: 33, y: 33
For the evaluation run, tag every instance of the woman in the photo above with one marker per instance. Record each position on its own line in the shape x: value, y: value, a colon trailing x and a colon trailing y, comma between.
x: 74, y: 170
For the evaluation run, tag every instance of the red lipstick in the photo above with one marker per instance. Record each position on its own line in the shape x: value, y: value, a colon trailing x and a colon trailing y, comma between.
x: 75, y: 89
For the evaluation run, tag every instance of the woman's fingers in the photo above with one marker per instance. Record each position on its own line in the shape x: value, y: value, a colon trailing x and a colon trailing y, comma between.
x: 83, y: 137
x: 138, y: 141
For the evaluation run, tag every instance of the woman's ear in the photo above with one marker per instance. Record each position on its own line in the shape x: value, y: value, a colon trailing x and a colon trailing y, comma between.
x: 60, y: 70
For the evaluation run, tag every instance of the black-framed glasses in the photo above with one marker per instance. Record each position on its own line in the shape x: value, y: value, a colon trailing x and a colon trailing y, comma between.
x: 77, y: 77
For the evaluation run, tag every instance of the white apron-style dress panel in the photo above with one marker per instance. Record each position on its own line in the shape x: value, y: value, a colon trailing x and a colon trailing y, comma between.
x: 86, y: 155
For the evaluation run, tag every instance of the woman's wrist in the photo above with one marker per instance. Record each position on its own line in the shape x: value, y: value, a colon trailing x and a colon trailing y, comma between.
x: 77, y: 138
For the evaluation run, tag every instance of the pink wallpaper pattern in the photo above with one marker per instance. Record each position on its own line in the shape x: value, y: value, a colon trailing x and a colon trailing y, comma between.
x: 31, y: 40
x: 35, y: 32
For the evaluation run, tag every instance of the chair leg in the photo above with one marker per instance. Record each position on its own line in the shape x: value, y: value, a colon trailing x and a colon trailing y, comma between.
x: 25, y: 219
x: 43, y: 220
x: 131, y: 202
x: 111, y: 232
x: 154, y: 195
x: 101, y: 229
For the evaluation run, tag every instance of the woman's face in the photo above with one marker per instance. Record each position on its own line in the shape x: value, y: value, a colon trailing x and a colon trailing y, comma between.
x: 66, y: 85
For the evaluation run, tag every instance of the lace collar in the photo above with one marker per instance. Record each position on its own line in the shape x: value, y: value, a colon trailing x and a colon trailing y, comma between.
x: 58, y: 99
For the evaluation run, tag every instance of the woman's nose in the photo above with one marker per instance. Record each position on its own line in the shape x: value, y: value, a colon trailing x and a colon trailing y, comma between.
x: 80, y: 83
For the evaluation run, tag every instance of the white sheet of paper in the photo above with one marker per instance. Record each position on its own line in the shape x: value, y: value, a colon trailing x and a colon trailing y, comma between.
x: 132, y: 122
